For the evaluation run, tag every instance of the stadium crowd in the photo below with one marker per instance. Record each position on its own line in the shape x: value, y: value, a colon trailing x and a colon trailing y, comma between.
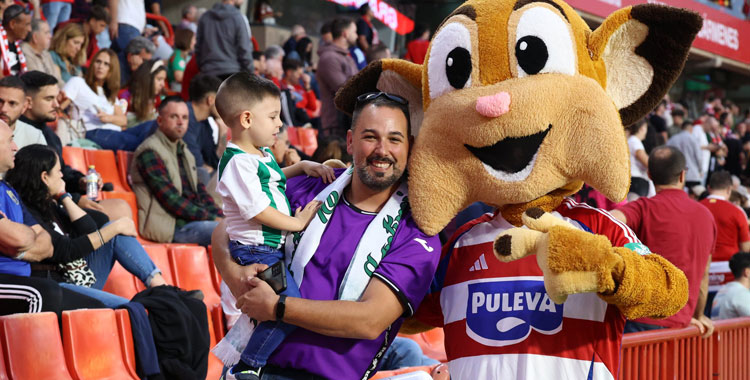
x: 102, y: 75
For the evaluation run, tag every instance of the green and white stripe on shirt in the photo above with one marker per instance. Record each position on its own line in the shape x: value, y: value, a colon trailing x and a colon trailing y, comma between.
x: 248, y: 184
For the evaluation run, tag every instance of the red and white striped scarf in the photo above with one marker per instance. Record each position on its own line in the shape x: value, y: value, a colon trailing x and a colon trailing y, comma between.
x: 5, y: 49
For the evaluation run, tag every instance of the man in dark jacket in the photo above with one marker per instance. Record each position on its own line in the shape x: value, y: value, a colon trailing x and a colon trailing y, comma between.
x: 223, y: 44
x: 335, y: 67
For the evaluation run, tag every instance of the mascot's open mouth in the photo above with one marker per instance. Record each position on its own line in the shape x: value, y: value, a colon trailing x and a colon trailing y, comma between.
x: 511, y: 159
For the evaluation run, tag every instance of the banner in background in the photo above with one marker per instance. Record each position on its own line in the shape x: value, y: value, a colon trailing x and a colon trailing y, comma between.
x: 384, y: 12
x: 722, y: 33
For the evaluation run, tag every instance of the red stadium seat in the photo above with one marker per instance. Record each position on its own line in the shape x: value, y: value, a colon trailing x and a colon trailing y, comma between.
x: 124, y: 159
x: 126, y: 340
x: 105, y: 163
x: 308, y: 138
x: 215, y: 366
x: 293, y: 137
x: 215, y: 276
x: 92, y: 345
x: 32, y: 347
x: 75, y: 158
x: 121, y: 282
x: 3, y: 370
x: 170, y: 32
x: 160, y: 256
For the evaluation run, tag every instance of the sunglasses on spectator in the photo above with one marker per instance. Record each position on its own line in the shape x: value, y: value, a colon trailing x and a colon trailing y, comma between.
x: 370, y: 96
x: 15, y: 10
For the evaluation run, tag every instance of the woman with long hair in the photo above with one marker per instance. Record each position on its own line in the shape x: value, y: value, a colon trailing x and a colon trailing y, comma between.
x: 68, y: 50
x: 184, y: 43
x: 145, y: 91
x: 97, y: 105
x: 84, y: 252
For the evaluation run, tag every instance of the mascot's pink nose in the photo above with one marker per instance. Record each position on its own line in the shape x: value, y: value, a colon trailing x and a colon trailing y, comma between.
x: 494, y: 105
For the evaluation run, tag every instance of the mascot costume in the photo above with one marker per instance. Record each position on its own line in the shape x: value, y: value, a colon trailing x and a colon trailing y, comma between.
x: 517, y: 105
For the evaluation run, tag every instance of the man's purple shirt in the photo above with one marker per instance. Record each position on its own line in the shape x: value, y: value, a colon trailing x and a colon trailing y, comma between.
x: 407, y: 269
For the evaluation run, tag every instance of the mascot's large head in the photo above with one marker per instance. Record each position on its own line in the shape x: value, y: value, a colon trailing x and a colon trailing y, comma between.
x: 519, y: 100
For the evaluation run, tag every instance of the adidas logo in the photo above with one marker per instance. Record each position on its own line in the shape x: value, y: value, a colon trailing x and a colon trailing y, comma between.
x: 480, y: 264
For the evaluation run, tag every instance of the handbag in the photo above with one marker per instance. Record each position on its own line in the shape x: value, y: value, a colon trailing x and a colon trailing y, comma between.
x: 77, y: 272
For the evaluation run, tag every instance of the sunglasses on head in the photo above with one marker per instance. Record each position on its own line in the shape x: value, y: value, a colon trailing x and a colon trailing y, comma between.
x: 16, y: 10
x: 370, y: 96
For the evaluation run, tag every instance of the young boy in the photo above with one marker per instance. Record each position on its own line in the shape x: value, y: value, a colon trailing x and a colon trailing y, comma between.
x: 252, y: 187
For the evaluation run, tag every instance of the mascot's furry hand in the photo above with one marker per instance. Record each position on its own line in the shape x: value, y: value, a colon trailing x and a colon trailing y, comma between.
x: 574, y: 261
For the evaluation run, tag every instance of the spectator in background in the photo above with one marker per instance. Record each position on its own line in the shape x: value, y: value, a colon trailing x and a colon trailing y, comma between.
x: 173, y: 206
x: 56, y: 11
x: 17, y: 25
x: 687, y: 144
x: 733, y: 235
x: 699, y: 134
x: 335, y: 67
x: 326, y: 37
x: 367, y: 35
x: 332, y: 149
x: 13, y: 103
x: 76, y: 237
x: 36, y: 50
x: 639, y: 183
x: 377, y: 52
x: 145, y: 92
x: 416, y: 49
x: 733, y: 299
x: 274, y: 64
x: 223, y: 44
x: 259, y: 63
x: 184, y: 43
x: 95, y: 24
x: 657, y: 128
x: 43, y: 91
x: 128, y: 19
x: 264, y: 14
x: 678, y: 228
x: 4, y: 4
x: 68, y: 50
x: 139, y: 50
x: 283, y: 153
x: 304, y: 53
x: 298, y: 32
x: 678, y: 117
x: 298, y: 84
x: 189, y: 18
x: 199, y: 136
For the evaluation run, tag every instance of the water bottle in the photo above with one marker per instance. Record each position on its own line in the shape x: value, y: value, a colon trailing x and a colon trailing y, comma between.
x: 92, y: 184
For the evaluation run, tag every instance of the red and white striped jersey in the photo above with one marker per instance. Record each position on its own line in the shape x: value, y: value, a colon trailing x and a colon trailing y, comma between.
x: 499, y: 322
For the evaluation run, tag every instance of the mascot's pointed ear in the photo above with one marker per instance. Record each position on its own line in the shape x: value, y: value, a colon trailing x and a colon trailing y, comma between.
x: 394, y: 76
x: 644, y: 49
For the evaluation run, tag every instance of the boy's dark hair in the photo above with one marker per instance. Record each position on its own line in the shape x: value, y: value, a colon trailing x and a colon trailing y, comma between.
x: 241, y: 91
x: 34, y: 81
x: 738, y: 263
x: 291, y: 64
x: 364, y: 9
x: 257, y: 55
x: 170, y: 99
x: 13, y: 81
x: 99, y: 13
x: 720, y: 180
x: 687, y: 123
x: 678, y: 112
x: 338, y: 25
x: 201, y: 85
x: 665, y: 163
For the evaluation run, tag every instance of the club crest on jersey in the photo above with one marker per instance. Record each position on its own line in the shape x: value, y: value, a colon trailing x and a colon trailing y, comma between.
x: 502, y: 313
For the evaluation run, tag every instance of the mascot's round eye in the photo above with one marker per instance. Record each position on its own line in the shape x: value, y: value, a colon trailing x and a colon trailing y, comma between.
x: 544, y: 43
x: 531, y: 53
x: 449, y: 64
x: 458, y: 67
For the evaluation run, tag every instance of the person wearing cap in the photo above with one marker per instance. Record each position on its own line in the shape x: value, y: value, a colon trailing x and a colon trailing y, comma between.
x: 681, y: 230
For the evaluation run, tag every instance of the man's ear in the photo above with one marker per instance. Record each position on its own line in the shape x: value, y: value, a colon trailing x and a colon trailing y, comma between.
x: 211, y: 100
x: 644, y: 48
x: 394, y: 76
x: 26, y: 104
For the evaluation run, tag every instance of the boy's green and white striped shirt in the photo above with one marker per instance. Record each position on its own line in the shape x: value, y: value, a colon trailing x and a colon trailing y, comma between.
x: 249, y: 183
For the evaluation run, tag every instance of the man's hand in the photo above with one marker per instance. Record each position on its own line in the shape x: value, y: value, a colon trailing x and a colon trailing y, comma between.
x: 113, y: 28
x: 306, y: 81
x: 704, y: 324
x: 85, y: 202
x: 314, y: 169
x: 259, y: 302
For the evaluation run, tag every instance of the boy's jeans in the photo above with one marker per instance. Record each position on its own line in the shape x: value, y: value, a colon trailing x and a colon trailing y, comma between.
x: 267, y: 335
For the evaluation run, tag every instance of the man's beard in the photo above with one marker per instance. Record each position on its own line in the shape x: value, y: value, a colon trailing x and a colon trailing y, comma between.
x: 378, y: 181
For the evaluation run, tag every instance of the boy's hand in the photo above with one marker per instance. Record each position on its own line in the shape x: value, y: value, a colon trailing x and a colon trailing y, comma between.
x: 305, y: 215
x: 314, y: 169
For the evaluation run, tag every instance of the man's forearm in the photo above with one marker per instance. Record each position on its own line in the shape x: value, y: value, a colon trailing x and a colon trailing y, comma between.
x: 16, y: 237
x: 343, y: 319
x: 700, y: 306
x: 42, y: 247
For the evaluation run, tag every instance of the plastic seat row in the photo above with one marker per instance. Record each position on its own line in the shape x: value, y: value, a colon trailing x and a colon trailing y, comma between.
x: 304, y: 139
x: 113, y: 170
